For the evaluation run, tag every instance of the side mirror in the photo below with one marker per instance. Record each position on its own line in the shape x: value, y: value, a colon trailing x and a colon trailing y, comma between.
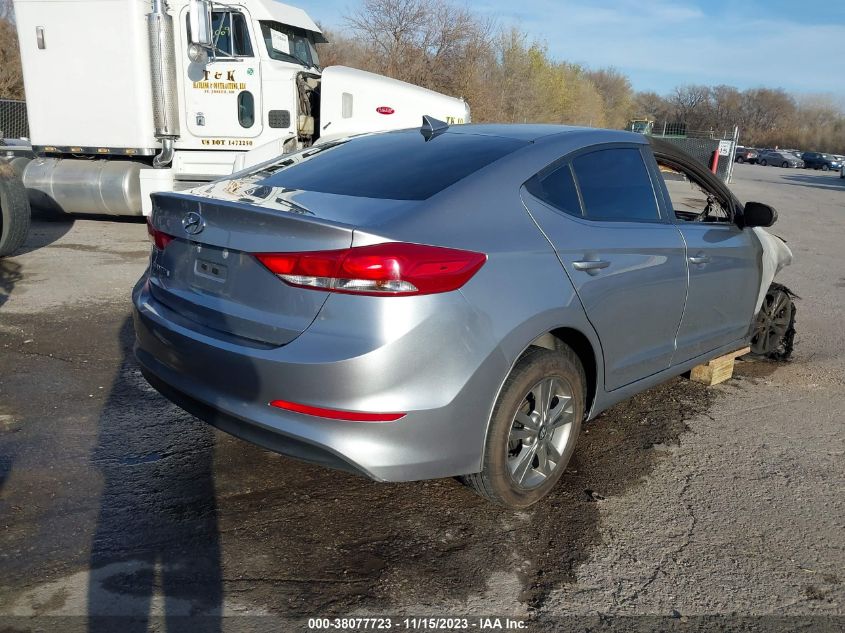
x: 758, y: 214
x: 200, y: 21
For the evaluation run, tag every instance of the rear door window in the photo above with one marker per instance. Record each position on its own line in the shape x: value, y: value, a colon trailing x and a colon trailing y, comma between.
x: 396, y: 165
x: 615, y: 185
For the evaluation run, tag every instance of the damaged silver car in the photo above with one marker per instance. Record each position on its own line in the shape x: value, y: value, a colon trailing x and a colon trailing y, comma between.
x: 450, y: 300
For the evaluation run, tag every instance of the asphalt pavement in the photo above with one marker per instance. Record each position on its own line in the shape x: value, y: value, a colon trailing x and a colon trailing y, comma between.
x: 686, y: 502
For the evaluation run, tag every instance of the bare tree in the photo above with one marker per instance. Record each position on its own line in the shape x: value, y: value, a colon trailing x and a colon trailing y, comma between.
x: 690, y: 104
x: 650, y: 105
x: 616, y: 94
x: 11, y: 75
x: 420, y: 41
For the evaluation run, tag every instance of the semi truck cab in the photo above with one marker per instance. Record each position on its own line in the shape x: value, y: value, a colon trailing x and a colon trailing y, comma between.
x: 129, y: 97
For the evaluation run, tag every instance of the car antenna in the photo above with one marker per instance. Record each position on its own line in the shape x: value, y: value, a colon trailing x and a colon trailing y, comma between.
x: 431, y: 127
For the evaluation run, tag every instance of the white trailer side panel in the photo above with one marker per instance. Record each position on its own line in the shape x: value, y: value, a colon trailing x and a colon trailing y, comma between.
x: 354, y: 102
x: 89, y: 86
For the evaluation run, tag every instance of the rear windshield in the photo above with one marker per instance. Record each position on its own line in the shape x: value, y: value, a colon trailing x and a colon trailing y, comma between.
x: 396, y: 165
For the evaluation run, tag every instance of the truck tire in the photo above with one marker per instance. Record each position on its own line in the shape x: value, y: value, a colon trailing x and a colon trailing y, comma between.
x: 529, y: 443
x: 14, y: 211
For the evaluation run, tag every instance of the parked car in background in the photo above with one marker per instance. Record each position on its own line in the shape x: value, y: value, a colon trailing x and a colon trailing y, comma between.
x: 333, y: 306
x: 817, y: 160
x: 745, y: 155
x: 778, y: 158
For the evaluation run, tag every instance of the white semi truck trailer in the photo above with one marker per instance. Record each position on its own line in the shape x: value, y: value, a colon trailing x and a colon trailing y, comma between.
x: 129, y: 97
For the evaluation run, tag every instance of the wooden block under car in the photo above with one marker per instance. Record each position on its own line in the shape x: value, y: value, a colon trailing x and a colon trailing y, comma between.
x: 717, y: 370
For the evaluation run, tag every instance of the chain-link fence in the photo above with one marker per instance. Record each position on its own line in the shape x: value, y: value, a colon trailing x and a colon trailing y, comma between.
x: 702, y: 149
x: 701, y: 144
x: 669, y: 129
x: 13, y: 121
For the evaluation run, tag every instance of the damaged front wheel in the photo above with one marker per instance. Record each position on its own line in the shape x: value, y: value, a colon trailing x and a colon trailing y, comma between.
x: 774, y: 329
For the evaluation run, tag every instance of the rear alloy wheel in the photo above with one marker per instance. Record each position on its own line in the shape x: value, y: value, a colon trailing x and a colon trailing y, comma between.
x: 784, y: 164
x: 763, y: 162
x: 533, y: 429
x: 740, y: 160
x: 774, y: 328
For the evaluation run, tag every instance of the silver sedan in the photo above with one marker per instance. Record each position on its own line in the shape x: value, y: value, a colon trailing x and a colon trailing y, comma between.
x: 444, y: 301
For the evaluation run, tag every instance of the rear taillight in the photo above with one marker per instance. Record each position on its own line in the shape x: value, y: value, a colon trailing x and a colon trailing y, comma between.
x: 159, y: 239
x: 391, y: 268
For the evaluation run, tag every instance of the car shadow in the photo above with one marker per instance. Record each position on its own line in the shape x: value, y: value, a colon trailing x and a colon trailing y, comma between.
x: 45, y: 229
x: 5, y: 469
x: 156, y: 550
x: 818, y: 181
x: 11, y: 272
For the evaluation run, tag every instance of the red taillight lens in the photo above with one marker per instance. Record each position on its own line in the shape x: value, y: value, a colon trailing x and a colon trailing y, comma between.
x: 391, y: 268
x: 335, y: 414
x: 159, y: 239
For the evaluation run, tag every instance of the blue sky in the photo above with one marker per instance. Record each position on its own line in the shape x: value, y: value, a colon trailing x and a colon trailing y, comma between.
x: 797, y: 45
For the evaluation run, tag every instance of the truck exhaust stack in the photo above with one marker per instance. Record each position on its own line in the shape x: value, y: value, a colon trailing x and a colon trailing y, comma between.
x: 163, y: 76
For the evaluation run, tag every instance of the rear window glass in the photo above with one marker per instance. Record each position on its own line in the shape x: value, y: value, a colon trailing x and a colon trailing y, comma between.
x: 615, y: 185
x: 395, y: 165
x: 557, y: 189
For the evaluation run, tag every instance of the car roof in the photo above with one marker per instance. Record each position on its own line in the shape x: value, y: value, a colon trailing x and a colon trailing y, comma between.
x: 535, y: 131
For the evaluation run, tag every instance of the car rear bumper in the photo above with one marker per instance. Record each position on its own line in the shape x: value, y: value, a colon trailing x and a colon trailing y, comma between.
x: 230, y: 386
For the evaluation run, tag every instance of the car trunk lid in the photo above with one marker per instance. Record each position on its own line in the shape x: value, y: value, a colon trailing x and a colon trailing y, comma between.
x: 207, y: 274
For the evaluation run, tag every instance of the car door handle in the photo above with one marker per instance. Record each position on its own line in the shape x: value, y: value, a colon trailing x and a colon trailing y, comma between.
x: 698, y: 259
x: 590, y: 265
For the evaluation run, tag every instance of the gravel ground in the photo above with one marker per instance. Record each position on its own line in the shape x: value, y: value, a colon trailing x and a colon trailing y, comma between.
x: 685, y: 502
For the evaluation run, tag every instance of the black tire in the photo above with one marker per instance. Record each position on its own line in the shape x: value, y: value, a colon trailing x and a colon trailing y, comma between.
x: 784, y: 164
x: 763, y: 162
x: 825, y: 168
x: 773, y: 334
x: 495, y: 481
x: 740, y: 159
x: 14, y: 211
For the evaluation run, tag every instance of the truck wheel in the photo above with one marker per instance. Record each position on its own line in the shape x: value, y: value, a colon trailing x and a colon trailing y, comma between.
x: 14, y: 211
x: 533, y: 428
x: 773, y: 335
